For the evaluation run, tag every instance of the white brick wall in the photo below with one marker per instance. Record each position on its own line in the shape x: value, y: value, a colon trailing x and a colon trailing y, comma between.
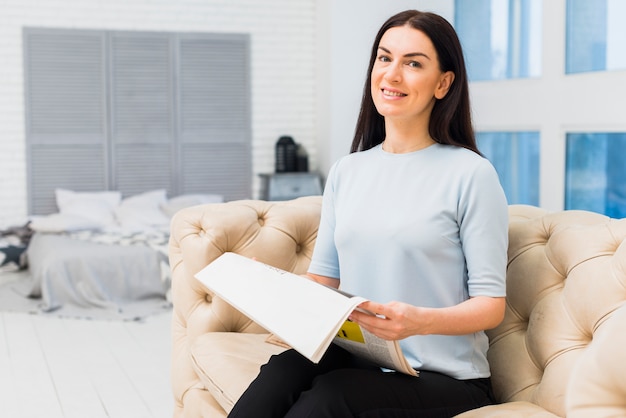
x: 283, y: 52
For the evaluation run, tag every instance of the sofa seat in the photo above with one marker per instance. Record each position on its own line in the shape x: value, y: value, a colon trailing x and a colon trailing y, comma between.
x: 227, y: 362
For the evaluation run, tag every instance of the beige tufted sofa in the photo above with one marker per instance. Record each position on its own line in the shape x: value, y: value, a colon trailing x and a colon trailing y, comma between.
x: 560, y: 351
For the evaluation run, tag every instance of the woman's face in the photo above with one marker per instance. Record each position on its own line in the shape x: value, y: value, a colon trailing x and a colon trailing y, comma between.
x: 406, y: 78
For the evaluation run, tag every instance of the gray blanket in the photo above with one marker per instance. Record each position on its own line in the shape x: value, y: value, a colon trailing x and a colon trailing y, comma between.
x: 84, y: 274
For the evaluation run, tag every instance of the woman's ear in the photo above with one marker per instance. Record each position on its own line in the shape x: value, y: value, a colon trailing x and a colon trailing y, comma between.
x: 445, y: 82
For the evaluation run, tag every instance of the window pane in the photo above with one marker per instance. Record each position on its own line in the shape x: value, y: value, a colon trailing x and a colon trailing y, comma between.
x: 595, y: 35
x: 595, y: 173
x: 501, y: 38
x: 515, y: 156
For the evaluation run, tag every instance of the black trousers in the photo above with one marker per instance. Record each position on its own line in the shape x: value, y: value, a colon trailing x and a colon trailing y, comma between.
x: 342, y: 386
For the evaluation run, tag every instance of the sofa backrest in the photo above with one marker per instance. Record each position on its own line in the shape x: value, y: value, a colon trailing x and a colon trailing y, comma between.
x: 566, y: 278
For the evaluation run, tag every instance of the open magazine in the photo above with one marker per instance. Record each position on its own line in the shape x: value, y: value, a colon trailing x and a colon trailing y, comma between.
x: 304, y: 314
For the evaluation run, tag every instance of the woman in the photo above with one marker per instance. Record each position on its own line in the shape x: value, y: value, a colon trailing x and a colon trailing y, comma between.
x: 414, y: 219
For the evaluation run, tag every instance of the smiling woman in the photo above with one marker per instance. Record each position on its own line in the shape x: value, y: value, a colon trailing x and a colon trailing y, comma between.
x: 415, y: 221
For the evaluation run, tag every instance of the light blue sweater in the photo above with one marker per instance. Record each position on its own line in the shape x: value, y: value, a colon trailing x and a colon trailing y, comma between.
x: 429, y: 228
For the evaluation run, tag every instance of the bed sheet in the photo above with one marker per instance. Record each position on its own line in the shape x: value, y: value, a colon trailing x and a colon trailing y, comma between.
x: 97, y: 270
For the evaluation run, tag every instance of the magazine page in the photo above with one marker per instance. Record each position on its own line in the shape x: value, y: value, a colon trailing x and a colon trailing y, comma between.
x: 304, y: 314
x: 381, y: 352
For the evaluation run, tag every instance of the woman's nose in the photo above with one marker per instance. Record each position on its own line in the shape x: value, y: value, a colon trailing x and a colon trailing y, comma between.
x: 393, y: 73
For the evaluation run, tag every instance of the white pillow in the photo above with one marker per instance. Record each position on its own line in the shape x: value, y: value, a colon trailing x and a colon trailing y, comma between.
x: 183, y: 201
x: 142, y: 211
x: 62, y: 222
x: 95, y: 206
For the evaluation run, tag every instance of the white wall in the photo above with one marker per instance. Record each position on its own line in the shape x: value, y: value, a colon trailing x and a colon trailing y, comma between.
x: 283, y: 45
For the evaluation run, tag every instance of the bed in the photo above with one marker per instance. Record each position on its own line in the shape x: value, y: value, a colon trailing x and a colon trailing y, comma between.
x: 104, y: 256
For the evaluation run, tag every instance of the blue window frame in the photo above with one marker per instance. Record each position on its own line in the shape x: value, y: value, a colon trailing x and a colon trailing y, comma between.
x: 596, y: 173
x: 501, y: 38
x: 515, y: 156
x: 596, y: 35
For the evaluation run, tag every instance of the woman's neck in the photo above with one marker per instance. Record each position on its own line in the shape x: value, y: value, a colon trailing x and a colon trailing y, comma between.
x: 401, y: 140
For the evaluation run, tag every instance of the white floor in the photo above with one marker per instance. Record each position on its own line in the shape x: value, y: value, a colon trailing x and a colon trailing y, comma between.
x: 51, y: 367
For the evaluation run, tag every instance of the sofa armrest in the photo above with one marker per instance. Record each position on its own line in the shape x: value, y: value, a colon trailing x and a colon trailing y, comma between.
x: 597, y: 387
x: 281, y: 234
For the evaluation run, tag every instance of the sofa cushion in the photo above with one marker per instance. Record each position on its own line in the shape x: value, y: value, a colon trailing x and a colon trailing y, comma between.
x: 226, y: 362
x: 509, y: 410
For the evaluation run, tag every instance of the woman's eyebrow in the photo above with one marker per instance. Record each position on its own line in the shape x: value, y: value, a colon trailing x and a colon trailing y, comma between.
x: 409, y: 55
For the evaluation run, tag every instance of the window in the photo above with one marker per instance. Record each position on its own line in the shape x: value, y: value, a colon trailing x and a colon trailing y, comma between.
x: 596, y: 35
x: 515, y: 156
x: 595, y: 173
x: 501, y: 38
x: 135, y: 111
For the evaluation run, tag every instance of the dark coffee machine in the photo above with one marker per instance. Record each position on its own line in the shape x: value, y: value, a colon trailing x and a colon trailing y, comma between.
x: 286, y: 155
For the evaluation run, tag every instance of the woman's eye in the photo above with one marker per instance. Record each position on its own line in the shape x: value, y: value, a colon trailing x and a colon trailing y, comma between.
x: 383, y: 58
x: 414, y: 64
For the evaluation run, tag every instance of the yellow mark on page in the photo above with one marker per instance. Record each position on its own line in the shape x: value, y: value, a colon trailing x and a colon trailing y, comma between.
x: 351, y: 331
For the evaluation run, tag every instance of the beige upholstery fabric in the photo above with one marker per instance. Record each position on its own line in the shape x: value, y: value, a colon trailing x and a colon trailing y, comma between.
x: 227, y: 362
x: 509, y: 410
x: 559, y: 350
x: 599, y: 378
x: 277, y: 233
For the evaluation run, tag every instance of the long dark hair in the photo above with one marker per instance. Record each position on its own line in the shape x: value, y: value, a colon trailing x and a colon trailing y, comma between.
x: 450, y: 120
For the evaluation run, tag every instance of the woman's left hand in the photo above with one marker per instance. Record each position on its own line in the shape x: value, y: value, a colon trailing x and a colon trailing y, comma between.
x: 391, y: 321
x: 397, y: 320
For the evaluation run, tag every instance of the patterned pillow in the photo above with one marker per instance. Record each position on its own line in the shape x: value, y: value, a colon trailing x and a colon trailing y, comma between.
x: 13, y: 244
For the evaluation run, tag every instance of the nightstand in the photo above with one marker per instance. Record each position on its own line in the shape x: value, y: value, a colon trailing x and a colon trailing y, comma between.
x: 287, y: 186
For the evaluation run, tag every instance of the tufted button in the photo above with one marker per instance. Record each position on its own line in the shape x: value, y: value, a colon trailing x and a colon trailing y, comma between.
x: 261, y: 221
x: 298, y: 248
